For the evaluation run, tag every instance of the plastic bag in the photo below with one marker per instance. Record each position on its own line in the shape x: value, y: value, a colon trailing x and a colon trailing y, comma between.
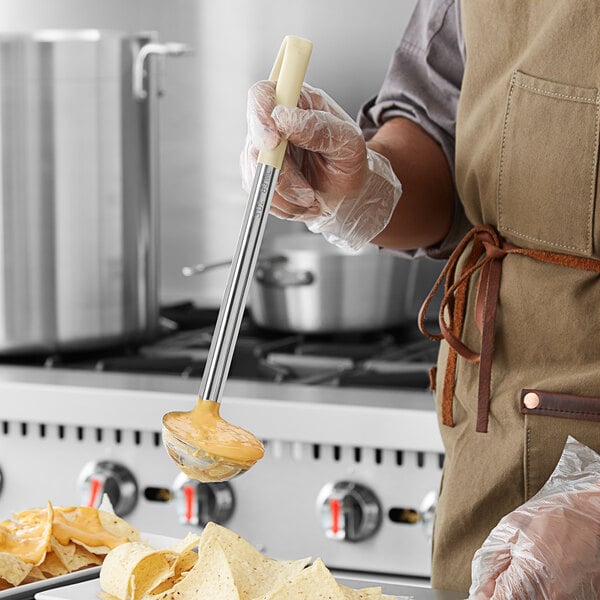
x: 548, y: 548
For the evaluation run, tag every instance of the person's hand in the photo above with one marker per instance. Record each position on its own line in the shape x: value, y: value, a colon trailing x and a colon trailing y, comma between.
x: 329, y: 178
x: 548, y: 549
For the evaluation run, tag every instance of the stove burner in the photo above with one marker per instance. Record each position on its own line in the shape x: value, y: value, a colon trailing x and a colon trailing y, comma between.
x: 243, y: 366
x: 351, y: 347
x: 397, y: 359
x: 415, y: 379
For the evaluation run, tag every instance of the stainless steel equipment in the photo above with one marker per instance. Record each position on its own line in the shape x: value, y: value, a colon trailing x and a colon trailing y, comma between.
x: 353, y: 456
x: 303, y: 284
x: 315, y: 286
x: 78, y: 192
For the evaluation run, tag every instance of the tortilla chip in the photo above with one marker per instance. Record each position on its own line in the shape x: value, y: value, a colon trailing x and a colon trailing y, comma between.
x: 254, y: 573
x: 106, y: 504
x: 183, y: 564
x: 163, y: 569
x: 314, y: 582
x: 65, y: 553
x: 226, y: 567
x: 119, y: 564
x: 75, y: 557
x: 118, y: 526
x: 83, y: 559
x: 190, y: 541
x: 53, y: 566
x: 34, y: 575
x: 135, y: 569
x: 13, y: 569
x: 148, y: 573
x: 210, y: 577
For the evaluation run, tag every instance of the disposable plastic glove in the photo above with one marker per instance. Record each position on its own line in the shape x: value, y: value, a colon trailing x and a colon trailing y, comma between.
x: 549, y: 548
x: 329, y: 178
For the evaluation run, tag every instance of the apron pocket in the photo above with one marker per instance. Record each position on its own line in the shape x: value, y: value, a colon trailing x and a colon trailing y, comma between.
x: 546, y: 183
x: 545, y: 437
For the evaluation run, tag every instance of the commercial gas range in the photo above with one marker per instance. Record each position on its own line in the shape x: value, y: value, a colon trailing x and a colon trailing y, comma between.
x: 353, y: 455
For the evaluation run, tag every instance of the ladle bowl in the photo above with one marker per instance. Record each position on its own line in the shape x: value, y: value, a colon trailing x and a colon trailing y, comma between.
x: 206, y: 447
x: 197, y: 464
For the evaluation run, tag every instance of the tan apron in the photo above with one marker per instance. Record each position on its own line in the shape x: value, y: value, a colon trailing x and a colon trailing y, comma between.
x: 522, y: 299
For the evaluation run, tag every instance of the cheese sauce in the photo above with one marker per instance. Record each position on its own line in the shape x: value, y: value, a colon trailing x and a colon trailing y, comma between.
x: 203, y: 428
x: 82, y: 523
x: 28, y: 536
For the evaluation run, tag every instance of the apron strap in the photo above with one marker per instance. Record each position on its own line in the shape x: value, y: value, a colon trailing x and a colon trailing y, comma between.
x: 485, y: 256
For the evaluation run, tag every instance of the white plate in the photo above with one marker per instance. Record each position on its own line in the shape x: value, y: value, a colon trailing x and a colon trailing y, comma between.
x: 29, y: 590
x: 86, y: 590
x: 89, y: 590
x: 78, y: 591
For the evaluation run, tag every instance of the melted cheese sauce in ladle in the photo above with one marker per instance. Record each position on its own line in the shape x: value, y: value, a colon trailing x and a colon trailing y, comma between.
x: 207, y: 447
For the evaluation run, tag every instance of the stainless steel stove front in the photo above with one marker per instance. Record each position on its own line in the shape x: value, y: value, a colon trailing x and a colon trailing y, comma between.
x: 351, y: 481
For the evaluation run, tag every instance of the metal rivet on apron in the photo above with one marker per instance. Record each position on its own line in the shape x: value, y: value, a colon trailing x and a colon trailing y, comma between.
x: 531, y: 400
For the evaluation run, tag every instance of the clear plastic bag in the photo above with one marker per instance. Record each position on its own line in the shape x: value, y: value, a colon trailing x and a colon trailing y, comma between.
x: 548, y: 548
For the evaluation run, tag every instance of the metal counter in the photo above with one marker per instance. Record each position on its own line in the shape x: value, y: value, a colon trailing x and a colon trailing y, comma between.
x: 406, y: 592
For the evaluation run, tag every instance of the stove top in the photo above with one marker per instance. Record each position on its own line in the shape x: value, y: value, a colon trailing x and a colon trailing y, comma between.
x: 396, y: 359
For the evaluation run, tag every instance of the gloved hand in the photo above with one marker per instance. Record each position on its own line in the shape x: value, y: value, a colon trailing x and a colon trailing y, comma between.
x: 329, y: 178
x: 549, y: 548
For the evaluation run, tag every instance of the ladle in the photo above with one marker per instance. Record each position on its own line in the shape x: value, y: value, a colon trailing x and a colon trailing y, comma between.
x: 205, y: 446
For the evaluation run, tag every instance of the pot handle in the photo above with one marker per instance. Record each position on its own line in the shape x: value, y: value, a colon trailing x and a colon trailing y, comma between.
x: 197, y: 269
x: 282, y: 278
x: 139, y: 72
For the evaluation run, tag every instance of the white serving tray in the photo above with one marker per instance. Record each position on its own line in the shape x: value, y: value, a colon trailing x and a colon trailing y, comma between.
x: 30, y: 590
x: 89, y: 590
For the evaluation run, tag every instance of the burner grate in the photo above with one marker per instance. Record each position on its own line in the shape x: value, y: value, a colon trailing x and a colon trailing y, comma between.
x: 396, y: 359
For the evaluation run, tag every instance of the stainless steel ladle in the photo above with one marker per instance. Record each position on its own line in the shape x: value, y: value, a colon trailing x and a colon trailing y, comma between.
x: 205, y: 446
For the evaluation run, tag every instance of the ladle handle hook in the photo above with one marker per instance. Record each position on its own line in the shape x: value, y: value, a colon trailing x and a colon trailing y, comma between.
x: 288, y: 71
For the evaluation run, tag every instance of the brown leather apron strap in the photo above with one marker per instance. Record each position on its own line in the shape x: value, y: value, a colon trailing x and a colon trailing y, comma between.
x: 455, y: 302
x: 487, y: 252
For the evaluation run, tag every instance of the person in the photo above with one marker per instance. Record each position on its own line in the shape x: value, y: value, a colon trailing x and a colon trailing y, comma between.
x: 481, y: 148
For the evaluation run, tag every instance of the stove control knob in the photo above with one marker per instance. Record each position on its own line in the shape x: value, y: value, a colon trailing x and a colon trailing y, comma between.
x: 348, y: 511
x: 198, y: 503
x: 112, y: 479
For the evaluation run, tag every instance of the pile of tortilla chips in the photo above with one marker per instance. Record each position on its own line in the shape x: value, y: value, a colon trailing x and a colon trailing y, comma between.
x: 225, y: 567
x: 46, y: 542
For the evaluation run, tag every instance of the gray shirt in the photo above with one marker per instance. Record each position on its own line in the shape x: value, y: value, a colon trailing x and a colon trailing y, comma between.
x: 423, y: 84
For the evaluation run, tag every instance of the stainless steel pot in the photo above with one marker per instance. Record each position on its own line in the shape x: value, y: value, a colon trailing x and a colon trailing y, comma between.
x: 303, y: 284
x: 78, y: 203
x: 315, y: 287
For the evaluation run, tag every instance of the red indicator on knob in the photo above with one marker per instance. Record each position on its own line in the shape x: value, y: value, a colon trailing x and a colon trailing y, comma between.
x: 189, y: 494
x: 335, y: 510
x: 95, y: 491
